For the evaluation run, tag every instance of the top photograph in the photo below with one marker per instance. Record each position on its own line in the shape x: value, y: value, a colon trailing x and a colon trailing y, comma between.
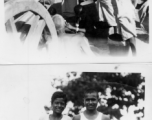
x: 75, y: 31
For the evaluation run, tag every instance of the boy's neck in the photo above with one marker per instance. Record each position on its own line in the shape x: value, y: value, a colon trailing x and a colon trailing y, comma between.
x: 55, y: 115
x: 91, y: 112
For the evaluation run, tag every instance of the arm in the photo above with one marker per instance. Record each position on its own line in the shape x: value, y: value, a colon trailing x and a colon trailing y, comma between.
x: 105, y: 117
x: 69, y: 26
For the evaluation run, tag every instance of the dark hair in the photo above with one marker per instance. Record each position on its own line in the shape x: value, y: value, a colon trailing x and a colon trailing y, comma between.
x: 90, y: 90
x: 80, y: 1
x: 59, y: 94
x: 52, y: 11
x: 79, y: 10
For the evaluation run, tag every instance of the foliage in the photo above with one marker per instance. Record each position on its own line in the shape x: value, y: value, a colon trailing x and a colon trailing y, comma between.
x: 126, y: 90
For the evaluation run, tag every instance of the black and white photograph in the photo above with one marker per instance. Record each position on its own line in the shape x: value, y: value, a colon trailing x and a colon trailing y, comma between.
x: 75, y: 60
x: 75, y: 31
x: 75, y: 92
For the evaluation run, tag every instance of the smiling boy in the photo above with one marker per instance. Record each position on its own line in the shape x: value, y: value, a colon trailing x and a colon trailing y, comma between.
x: 58, y: 104
x: 91, y: 100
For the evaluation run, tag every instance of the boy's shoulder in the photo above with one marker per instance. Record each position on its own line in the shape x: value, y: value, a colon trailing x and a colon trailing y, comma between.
x: 105, y: 117
x: 76, y: 117
x: 44, y: 117
x: 66, y: 117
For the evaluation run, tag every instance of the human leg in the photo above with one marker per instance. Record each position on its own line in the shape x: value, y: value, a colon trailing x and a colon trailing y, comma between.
x: 132, y: 43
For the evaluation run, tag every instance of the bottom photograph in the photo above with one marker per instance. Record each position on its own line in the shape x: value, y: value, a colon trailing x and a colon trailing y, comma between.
x: 50, y: 93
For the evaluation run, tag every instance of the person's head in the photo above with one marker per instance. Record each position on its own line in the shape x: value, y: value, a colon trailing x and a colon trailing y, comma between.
x: 58, y: 102
x: 52, y: 11
x: 59, y: 22
x: 91, y: 99
x: 80, y: 1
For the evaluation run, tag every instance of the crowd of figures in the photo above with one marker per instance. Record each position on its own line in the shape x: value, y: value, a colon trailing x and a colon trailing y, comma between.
x: 104, y: 18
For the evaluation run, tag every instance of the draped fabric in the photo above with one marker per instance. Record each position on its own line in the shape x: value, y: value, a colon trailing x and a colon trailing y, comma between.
x: 72, y: 45
x: 119, y: 13
x: 106, y: 12
x: 144, y: 9
x: 99, y: 117
x: 126, y: 18
x: 46, y: 117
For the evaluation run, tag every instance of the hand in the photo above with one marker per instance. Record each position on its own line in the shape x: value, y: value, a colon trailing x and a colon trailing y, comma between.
x: 68, y: 25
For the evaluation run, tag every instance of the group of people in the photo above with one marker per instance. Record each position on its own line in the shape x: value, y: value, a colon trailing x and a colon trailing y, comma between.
x: 70, y: 45
x: 88, y: 13
x: 122, y: 19
x: 91, y: 99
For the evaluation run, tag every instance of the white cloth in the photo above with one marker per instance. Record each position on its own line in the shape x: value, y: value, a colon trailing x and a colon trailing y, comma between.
x: 126, y: 18
x: 46, y: 117
x: 106, y: 11
x: 70, y: 45
x: 99, y: 117
x: 86, y: 2
x: 74, y: 45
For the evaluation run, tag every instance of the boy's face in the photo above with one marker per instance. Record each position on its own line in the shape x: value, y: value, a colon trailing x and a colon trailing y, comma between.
x: 91, y: 101
x: 58, y: 105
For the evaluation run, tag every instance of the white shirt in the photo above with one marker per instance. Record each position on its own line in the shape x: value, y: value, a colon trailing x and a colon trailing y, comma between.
x: 46, y: 117
x: 99, y: 117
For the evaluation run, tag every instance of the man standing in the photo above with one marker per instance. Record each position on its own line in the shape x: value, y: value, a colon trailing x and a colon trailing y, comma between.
x: 126, y: 22
x: 91, y: 100
x: 106, y: 12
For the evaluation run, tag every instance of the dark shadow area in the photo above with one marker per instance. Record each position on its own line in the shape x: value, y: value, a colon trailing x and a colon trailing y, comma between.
x: 23, y: 29
x: 19, y: 25
x: 58, y: 7
x: 143, y: 33
x: 143, y: 37
x: 101, y: 31
x: 116, y: 47
x: 18, y: 15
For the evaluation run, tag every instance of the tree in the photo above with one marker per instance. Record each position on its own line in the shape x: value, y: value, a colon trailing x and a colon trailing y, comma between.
x: 124, y: 90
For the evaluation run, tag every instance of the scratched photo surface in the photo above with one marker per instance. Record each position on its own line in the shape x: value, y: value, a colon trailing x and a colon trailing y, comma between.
x: 75, y: 31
